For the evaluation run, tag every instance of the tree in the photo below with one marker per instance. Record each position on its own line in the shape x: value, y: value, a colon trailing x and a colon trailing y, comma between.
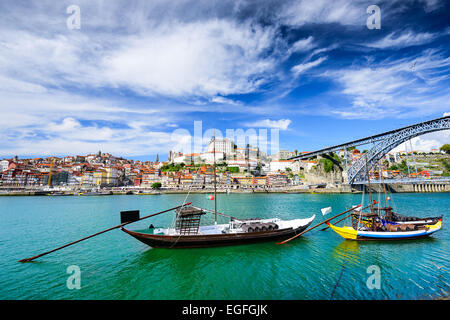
x: 445, y: 148
x: 233, y: 169
x: 156, y: 185
x: 327, y: 164
x: 393, y: 167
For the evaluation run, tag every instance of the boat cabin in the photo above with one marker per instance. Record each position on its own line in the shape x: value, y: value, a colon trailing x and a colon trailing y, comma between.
x: 188, y: 220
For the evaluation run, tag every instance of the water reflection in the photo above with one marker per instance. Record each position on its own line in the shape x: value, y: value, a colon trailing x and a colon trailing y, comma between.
x: 348, y: 252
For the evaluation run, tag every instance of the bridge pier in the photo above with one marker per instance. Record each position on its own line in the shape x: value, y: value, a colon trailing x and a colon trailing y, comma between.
x: 403, y: 187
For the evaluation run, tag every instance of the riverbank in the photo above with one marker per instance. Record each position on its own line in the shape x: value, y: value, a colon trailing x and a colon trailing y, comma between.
x: 341, y: 189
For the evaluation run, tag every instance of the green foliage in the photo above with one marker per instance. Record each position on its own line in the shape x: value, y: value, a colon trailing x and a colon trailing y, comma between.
x: 172, y: 167
x: 156, y: 185
x: 393, y: 167
x: 327, y: 165
x: 233, y: 169
x: 337, y: 158
x: 445, y: 148
x: 403, y: 167
x: 446, y: 172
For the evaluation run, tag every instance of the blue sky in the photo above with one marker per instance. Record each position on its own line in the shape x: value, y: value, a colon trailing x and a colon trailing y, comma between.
x: 137, y: 71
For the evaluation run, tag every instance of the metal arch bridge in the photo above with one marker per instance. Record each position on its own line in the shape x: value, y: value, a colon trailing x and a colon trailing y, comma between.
x: 383, y: 143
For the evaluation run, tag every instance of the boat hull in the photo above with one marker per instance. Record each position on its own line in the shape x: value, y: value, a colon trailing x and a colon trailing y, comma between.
x: 349, y: 233
x: 213, y: 240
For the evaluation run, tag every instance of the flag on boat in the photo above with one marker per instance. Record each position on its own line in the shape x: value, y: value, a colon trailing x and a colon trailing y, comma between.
x: 325, y: 210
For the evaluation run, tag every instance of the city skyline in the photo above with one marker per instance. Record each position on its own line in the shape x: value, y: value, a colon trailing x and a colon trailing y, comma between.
x: 132, y: 75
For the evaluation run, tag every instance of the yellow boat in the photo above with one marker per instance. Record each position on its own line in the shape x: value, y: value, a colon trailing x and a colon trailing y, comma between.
x: 350, y: 233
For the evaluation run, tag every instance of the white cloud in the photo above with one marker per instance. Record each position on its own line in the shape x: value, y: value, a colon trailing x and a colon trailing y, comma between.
x: 281, y: 124
x: 196, y: 59
x: 70, y: 137
x: 59, y: 123
x: 192, y: 53
x: 426, y: 142
x: 222, y: 100
x: 406, y: 39
x: 201, y: 58
x: 302, y: 67
x: 302, y: 45
x: 410, y: 86
x: 344, y: 12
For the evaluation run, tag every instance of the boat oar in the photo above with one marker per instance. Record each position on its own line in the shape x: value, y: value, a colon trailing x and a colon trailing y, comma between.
x: 329, y: 219
x: 337, y: 221
x: 98, y: 233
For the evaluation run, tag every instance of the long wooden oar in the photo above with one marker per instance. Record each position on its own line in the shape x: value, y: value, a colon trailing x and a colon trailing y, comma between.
x: 329, y: 219
x: 337, y: 221
x: 98, y: 233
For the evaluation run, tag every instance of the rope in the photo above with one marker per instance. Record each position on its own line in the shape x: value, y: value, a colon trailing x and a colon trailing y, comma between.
x: 174, y: 219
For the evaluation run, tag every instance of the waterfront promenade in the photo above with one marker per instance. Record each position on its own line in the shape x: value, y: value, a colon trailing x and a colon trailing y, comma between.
x: 417, y: 187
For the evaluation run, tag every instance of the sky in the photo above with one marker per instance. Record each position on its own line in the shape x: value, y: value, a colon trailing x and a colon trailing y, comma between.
x: 136, y: 75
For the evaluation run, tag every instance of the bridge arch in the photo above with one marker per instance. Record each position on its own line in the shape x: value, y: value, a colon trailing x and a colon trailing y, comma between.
x: 357, y: 171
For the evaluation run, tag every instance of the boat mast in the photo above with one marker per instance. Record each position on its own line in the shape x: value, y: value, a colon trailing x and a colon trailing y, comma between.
x: 384, y: 187
x: 368, y: 185
x: 215, y: 200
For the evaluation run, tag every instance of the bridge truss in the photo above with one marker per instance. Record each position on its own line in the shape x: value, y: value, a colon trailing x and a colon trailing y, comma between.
x: 382, y: 144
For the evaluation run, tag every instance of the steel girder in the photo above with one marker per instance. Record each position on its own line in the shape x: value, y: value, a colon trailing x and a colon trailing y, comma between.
x: 357, y: 172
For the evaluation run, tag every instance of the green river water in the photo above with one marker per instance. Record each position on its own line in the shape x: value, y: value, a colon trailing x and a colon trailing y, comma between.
x: 116, y: 266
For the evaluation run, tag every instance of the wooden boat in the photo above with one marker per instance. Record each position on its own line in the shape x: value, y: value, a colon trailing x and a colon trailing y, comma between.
x: 95, y: 192
x: 381, y: 223
x: 403, y: 232
x: 396, y: 218
x: 188, y: 233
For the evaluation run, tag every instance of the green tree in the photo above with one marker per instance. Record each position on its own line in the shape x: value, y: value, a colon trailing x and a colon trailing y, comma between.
x: 233, y: 169
x: 156, y: 185
x: 445, y: 148
x: 172, y: 167
x: 327, y: 164
x: 393, y: 167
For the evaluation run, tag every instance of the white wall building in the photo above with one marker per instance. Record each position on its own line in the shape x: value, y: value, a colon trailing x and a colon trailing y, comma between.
x: 283, y: 155
x: 221, y: 145
x: 4, y: 165
x: 208, y: 157
x: 243, y: 164
x: 282, y: 165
